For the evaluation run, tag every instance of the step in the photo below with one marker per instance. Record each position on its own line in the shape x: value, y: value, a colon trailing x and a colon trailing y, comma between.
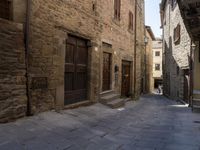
x: 117, y: 103
x: 196, y: 94
x: 196, y: 101
x: 110, y: 97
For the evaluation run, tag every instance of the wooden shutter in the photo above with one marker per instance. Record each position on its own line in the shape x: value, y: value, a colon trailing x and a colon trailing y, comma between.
x: 117, y: 6
x: 177, y: 34
x: 130, y: 20
x: 5, y: 9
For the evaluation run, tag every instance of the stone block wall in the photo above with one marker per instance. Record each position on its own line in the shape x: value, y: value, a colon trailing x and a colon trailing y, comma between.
x: 51, y: 23
x: 13, y: 100
x: 175, y: 55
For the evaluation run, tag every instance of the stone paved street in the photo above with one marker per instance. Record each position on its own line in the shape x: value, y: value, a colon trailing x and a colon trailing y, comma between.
x: 153, y: 123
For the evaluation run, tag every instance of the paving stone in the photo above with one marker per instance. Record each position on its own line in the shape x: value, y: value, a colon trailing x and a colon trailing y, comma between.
x: 149, y: 124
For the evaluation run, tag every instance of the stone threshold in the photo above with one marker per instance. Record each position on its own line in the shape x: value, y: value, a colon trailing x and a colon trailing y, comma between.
x: 105, y: 92
x: 196, y: 91
x: 79, y: 104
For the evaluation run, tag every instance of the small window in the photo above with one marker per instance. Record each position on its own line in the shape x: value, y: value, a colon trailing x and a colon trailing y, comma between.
x: 5, y: 9
x: 157, y: 53
x: 157, y: 67
x: 117, y: 7
x: 173, y: 3
x: 177, y: 34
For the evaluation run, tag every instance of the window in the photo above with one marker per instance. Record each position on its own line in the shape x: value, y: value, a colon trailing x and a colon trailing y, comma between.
x: 157, y: 53
x: 117, y: 6
x: 130, y: 20
x: 157, y: 67
x: 177, y: 34
x: 5, y: 6
x: 173, y: 3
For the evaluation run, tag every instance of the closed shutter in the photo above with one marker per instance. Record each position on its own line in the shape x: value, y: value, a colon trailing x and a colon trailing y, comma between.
x: 117, y: 7
x: 130, y: 20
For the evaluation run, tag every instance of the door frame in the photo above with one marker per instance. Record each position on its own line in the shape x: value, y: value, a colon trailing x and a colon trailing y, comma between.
x: 87, y: 69
x: 106, y: 48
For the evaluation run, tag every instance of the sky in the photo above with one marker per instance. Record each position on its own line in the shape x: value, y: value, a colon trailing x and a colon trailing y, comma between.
x: 152, y: 16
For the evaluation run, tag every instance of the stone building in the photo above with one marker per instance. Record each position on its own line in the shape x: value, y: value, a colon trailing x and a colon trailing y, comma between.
x: 148, y: 61
x: 157, y: 63
x: 190, y: 13
x: 75, y: 53
x: 176, y: 52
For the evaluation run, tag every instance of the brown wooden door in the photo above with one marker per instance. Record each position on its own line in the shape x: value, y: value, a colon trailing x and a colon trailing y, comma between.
x: 75, y: 70
x: 186, y: 86
x: 106, y: 71
x: 126, y: 72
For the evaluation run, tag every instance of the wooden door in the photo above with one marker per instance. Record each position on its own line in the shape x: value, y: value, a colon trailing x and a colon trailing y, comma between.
x: 106, y: 71
x: 186, y: 86
x: 76, y: 70
x: 126, y: 82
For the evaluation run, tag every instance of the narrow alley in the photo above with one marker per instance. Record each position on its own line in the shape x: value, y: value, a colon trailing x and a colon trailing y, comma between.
x: 153, y: 123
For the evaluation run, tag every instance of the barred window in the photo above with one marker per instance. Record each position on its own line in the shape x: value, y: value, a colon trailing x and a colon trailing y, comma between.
x: 5, y: 9
x: 157, y: 67
x: 157, y: 53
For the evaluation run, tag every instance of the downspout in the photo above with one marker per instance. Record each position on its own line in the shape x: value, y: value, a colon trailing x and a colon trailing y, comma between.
x: 135, y: 42
x: 27, y: 38
x: 191, y: 74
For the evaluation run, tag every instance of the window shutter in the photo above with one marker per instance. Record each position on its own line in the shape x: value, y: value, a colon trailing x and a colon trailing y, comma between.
x: 130, y: 20
x: 117, y: 6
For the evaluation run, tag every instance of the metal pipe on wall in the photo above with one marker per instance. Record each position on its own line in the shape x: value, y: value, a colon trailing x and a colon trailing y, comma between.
x: 135, y: 41
x: 27, y: 38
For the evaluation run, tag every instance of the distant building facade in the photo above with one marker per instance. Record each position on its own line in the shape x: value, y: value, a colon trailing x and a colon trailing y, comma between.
x: 157, y: 63
x: 176, y: 52
x: 74, y: 53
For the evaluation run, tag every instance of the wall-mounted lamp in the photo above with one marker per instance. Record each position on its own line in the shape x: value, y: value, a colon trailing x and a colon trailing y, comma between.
x: 96, y: 49
x: 193, y: 46
x: 146, y: 40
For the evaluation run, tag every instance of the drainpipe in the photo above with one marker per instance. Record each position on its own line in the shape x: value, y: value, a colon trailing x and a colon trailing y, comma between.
x: 135, y: 41
x: 27, y: 38
x: 191, y: 74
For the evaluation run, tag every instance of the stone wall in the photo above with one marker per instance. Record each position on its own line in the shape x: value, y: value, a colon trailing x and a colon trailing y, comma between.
x: 52, y: 22
x: 13, y: 100
x: 175, y: 55
x: 140, y: 47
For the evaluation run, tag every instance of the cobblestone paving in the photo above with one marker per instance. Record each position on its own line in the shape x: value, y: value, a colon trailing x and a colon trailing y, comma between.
x: 153, y: 123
